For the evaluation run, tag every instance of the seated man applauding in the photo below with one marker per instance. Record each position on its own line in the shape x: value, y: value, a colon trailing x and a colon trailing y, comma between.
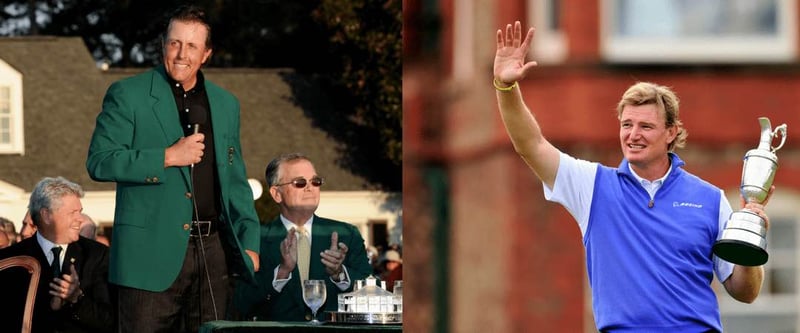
x: 298, y: 245
x: 73, y: 293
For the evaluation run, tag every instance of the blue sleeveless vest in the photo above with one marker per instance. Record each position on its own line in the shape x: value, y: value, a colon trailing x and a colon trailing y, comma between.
x: 650, y: 264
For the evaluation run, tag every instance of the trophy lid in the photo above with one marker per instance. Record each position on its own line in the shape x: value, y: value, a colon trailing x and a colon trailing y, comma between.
x: 371, y: 288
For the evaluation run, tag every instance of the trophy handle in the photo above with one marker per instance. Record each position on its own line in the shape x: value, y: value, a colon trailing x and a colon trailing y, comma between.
x: 782, y: 131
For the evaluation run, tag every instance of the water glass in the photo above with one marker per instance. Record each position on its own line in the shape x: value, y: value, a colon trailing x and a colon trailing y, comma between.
x: 314, y: 294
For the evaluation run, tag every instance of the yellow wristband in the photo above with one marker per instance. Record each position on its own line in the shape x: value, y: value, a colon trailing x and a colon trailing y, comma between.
x: 506, y: 89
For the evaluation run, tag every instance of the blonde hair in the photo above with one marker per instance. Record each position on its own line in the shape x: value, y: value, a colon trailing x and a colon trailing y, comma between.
x: 643, y: 93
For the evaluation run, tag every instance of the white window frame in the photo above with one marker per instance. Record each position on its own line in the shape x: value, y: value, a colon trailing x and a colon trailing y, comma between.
x: 781, y: 48
x: 549, y: 45
x: 12, y: 79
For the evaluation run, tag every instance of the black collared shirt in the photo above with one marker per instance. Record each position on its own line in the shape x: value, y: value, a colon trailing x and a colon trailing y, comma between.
x: 204, y: 176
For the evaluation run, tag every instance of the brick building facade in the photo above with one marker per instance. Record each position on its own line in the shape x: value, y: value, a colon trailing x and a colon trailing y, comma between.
x: 488, y: 252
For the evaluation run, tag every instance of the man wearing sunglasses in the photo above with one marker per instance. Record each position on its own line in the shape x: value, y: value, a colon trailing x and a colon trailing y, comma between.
x: 648, y: 225
x: 336, y: 252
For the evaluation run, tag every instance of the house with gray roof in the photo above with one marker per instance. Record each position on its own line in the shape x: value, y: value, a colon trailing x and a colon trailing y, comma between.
x: 51, y: 90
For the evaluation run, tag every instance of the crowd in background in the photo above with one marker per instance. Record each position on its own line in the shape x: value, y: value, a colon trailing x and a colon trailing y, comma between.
x: 9, y: 235
x: 387, y: 264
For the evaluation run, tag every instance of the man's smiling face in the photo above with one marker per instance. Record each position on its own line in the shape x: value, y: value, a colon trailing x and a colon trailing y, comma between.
x: 185, y: 50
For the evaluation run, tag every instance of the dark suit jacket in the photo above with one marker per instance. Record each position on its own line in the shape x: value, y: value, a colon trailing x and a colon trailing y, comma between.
x: 93, y: 313
x: 263, y: 302
x: 138, y: 122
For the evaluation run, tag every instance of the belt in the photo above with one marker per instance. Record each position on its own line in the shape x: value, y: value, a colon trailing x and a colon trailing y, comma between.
x: 203, y: 228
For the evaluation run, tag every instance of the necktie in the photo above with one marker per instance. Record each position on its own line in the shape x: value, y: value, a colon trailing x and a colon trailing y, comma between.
x: 303, y: 253
x: 55, y: 263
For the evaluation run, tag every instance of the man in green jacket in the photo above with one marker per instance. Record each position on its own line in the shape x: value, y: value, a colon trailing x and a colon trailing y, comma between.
x: 184, y: 218
x: 335, y: 253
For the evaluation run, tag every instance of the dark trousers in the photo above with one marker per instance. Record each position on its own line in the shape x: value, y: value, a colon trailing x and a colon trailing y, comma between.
x: 187, y: 303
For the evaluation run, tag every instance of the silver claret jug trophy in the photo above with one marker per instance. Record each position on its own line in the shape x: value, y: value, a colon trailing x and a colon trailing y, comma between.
x: 744, y: 241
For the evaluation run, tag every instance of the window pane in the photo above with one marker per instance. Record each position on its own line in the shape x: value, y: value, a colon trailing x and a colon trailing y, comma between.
x: 784, y: 323
x: 11, y: 126
x: 554, y: 14
x: 5, y: 100
x: 696, y: 18
x: 699, y: 31
x: 782, y: 234
x: 782, y: 281
x: 5, y: 130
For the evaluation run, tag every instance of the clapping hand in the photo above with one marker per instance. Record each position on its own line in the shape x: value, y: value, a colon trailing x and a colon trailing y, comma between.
x: 65, y: 288
x: 333, y: 258
x: 288, y: 254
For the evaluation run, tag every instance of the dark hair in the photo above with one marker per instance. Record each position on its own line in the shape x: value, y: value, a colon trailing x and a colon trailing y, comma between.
x: 190, y: 13
x: 272, y: 168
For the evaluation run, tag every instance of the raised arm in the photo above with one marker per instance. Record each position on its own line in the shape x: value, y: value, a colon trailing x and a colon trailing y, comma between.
x: 510, y: 68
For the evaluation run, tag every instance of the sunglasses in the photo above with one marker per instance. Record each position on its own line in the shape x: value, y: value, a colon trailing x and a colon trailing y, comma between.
x: 302, y: 182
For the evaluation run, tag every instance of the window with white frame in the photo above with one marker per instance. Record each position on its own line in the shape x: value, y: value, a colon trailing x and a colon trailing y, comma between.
x: 698, y: 31
x: 11, y: 135
x: 776, y: 308
x: 549, y: 43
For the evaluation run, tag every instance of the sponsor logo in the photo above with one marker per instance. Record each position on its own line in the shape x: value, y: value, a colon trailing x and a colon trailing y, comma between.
x: 686, y: 204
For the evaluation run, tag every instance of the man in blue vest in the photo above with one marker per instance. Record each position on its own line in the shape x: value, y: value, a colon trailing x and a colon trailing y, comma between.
x: 630, y: 226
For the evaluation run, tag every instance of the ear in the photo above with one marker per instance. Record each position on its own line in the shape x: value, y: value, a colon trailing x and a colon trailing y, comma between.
x: 276, y: 195
x: 672, y: 133
x: 45, y: 215
x: 206, y: 55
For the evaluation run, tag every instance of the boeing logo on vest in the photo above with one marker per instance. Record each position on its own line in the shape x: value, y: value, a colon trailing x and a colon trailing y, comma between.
x: 686, y: 204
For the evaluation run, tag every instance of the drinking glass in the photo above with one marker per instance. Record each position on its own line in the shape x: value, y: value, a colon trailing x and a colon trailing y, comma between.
x: 314, y: 294
x: 397, y: 299
x: 397, y: 288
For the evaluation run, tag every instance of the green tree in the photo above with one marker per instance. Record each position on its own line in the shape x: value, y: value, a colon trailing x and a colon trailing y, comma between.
x: 366, y: 42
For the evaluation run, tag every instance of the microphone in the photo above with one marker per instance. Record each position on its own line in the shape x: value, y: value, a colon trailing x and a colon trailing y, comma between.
x: 197, y: 117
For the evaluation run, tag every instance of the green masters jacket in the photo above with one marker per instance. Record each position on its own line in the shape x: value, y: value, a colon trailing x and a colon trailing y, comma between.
x: 263, y: 302
x: 153, y: 212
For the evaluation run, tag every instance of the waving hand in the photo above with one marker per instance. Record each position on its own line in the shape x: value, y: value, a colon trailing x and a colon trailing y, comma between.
x: 509, y: 61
